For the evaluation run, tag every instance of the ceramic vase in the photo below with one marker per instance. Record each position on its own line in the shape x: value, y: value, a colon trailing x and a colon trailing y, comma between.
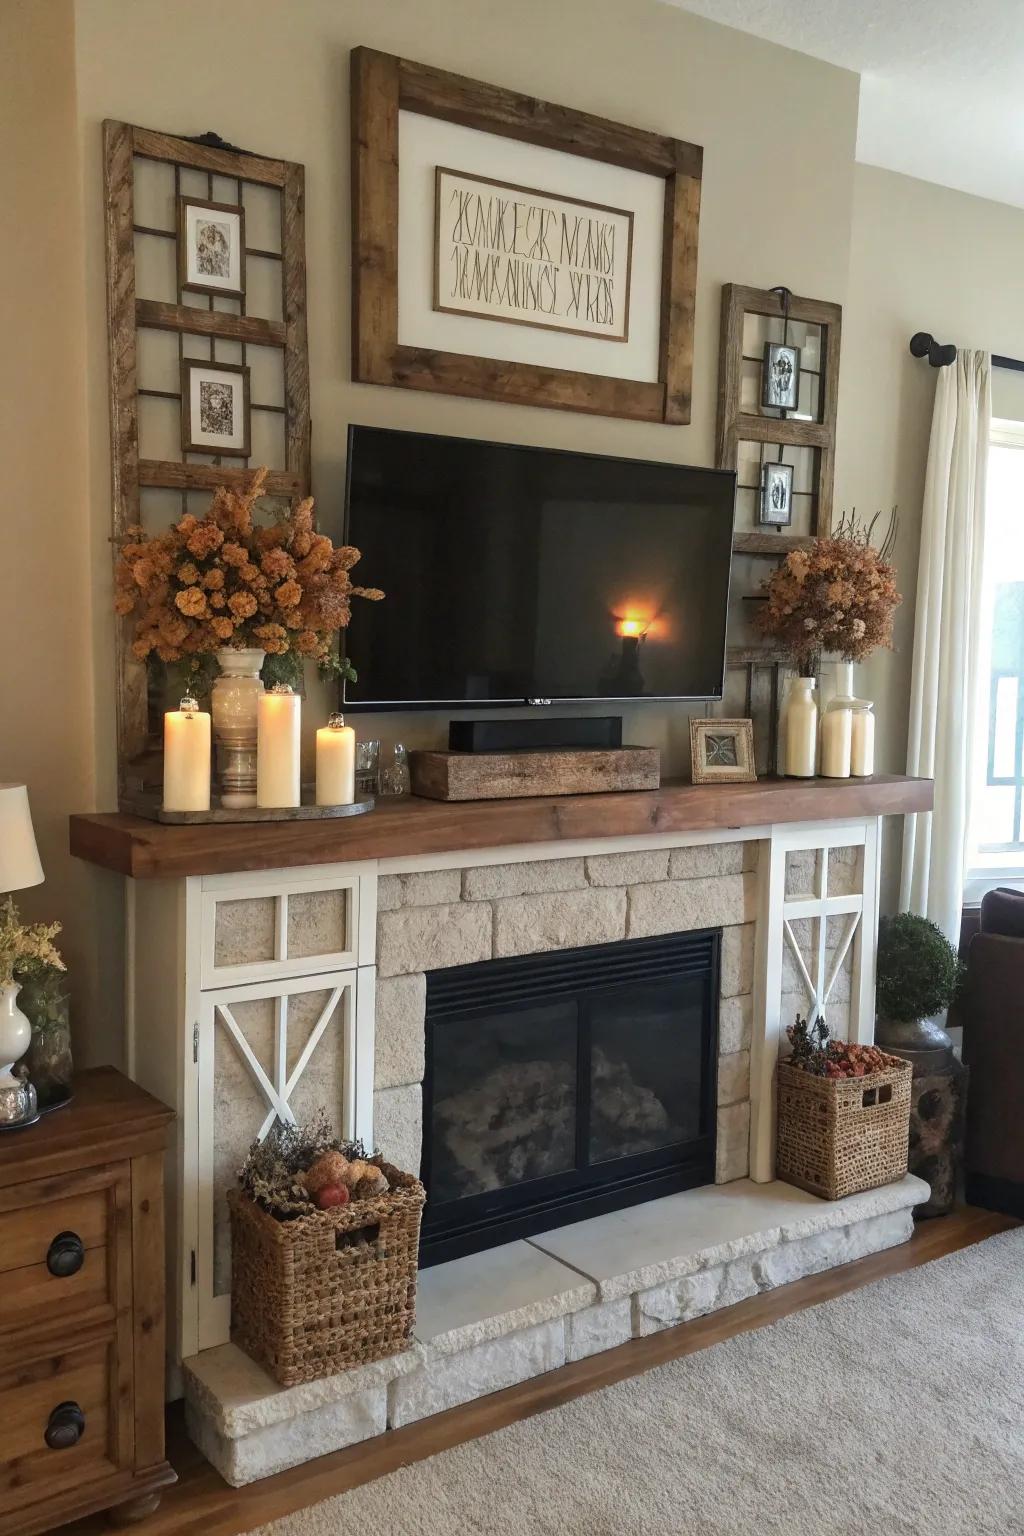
x: 233, y: 704
x: 801, y: 730
x: 17, y: 1096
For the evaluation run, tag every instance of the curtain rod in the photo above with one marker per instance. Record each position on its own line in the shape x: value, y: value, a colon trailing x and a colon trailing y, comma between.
x: 923, y: 344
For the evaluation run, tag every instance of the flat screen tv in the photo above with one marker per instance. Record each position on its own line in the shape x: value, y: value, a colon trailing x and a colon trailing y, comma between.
x: 527, y: 575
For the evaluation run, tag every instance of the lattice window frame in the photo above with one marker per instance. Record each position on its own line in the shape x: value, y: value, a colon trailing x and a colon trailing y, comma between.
x: 123, y: 144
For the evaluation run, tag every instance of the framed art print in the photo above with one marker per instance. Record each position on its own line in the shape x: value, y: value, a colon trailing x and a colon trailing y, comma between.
x: 211, y: 247
x: 776, y: 507
x: 215, y: 408
x: 780, y: 376
x: 722, y: 751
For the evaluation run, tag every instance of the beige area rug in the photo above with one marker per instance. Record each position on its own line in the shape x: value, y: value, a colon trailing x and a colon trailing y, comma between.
x: 895, y: 1408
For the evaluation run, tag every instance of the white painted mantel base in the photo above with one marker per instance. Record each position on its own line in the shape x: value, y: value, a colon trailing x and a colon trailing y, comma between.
x: 501, y: 1317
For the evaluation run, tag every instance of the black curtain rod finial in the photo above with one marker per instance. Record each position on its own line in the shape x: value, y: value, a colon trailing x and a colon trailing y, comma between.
x: 923, y: 344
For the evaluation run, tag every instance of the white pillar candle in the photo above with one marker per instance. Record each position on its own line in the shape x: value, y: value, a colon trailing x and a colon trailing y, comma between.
x: 187, y: 758
x: 335, y: 763
x: 862, y: 745
x: 278, y: 728
x: 835, y: 743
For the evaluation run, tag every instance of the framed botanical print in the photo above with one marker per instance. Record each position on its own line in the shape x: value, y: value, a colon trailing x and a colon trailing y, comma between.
x: 722, y: 751
x: 515, y: 250
x: 214, y: 408
x: 211, y: 247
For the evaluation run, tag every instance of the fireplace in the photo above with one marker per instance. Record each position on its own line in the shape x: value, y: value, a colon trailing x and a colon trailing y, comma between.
x: 563, y: 1085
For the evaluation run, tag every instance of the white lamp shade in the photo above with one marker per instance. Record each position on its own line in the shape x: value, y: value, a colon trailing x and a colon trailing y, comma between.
x: 19, y: 857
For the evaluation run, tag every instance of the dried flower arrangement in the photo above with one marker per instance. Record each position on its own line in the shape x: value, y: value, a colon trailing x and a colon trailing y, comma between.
x: 815, y: 1052
x: 27, y: 950
x: 839, y: 596
x: 223, y: 580
x: 298, y: 1169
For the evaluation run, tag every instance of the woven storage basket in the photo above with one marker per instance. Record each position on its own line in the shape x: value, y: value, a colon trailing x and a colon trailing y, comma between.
x: 840, y: 1135
x: 336, y: 1288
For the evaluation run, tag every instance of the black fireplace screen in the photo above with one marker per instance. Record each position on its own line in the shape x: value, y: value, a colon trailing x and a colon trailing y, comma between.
x: 562, y: 1085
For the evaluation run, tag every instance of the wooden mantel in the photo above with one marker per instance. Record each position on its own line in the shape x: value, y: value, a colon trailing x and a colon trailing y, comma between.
x: 144, y: 849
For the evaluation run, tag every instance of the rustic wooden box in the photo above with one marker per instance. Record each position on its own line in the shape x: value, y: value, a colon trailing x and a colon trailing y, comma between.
x: 516, y: 775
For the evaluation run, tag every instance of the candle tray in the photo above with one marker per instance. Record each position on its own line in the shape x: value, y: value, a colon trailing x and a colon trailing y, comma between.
x: 150, y: 807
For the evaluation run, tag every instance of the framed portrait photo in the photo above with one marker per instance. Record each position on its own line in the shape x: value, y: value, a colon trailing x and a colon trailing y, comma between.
x: 211, y: 247
x: 780, y: 376
x: 722, y: 751
x: 776, y: 506
x: 214, y: 408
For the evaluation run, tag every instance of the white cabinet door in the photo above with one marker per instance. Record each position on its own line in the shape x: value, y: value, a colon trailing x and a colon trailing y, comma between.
x: 278, y: 1049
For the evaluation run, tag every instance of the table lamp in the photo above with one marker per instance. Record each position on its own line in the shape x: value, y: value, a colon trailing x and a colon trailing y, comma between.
x: 19, y: 868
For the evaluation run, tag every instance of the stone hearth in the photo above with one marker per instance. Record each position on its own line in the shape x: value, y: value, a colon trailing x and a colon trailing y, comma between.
x: 512, y: 1313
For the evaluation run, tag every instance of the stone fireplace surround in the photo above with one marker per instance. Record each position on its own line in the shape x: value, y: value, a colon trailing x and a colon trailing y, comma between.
x: 500, y: 1317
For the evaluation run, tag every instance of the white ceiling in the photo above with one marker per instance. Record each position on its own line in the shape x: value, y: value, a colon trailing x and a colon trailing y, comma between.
x: 942, y: 94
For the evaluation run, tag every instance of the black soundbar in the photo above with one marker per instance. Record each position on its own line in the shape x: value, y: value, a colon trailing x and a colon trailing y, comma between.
x: 543, y: 734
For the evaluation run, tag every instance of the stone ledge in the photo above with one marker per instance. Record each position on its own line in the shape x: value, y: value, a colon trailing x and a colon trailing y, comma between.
x: 677, y: 1236
x: 448, y: 1380
x: 486, y: 1295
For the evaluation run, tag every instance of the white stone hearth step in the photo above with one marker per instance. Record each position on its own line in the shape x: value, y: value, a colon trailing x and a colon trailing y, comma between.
x: 668, y: 1239
x: 503, y: 1316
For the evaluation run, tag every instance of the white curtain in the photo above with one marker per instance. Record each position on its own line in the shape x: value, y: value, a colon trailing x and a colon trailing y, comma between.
x: 945, y: 677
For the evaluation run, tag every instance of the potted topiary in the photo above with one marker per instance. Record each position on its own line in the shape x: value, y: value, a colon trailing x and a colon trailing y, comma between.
x: 918, y: 975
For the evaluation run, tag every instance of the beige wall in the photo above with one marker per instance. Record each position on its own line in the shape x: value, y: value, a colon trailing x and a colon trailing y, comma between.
x: 922, y: 257
x: 273, y: 77
x: 47, y: 587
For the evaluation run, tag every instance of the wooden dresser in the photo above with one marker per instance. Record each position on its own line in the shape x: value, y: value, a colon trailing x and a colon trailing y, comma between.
x: 82, y: 1309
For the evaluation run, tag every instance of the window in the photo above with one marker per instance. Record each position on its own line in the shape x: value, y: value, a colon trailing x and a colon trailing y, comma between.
x: 996, y: 844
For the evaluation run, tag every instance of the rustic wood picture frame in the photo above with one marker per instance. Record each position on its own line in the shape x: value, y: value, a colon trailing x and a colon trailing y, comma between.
x: 742, y: 732
x: 187, y: 444
x: 381, y: 86
x: 138, y: 723
x: 217, y: 289
x: 736, y: 425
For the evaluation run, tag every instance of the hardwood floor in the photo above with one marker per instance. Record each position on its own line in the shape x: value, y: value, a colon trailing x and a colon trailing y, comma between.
x: 201, y: 1504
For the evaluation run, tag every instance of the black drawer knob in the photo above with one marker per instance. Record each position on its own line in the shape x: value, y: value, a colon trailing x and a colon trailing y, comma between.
x: 65, y: 1255
x: 65, y: 1428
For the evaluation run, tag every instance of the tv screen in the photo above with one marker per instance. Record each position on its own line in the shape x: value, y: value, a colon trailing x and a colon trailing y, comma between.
x: 519, y: 575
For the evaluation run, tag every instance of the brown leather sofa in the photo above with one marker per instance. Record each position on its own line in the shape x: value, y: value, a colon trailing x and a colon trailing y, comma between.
x: 993, y: 1019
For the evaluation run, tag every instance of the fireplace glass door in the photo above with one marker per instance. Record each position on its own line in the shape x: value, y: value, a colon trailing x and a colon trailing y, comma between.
x: 562, y: 1085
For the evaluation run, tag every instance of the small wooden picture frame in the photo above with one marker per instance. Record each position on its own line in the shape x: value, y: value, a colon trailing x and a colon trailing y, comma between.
x: 775, y: 509
x: 211, y: 247
x: 722, y: 751
x: 780, y: 376
x: 215, y: 408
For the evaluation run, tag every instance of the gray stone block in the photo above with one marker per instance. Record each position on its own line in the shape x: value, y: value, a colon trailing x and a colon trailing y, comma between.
x: 603, y: 1326
x: 428, y: 938
x: 735, y: 1024
x: 532, y: 876
x: 426, y: 888
x: 527, y: 925
x: 676, y: 906
x: 732, y: 1145
x: 734, y: 1077
x: 738, y: 960
x: 628, y: 868
x: 398, y: 1126
x: 291, y: 1441
x: 447, y: 1380
x: 399, y: 1030
x: 704, y: 859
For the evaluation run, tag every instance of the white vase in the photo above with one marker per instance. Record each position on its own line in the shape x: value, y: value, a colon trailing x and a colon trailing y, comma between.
x: 233, y: 704
x: 15, y: 1033
x: 801, y: 729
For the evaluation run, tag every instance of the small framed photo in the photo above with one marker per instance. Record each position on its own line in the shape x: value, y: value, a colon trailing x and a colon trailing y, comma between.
x: 722, y: 751
x: 214, y: 408
x: 211, y: 247
x: 776, y: 508
x: 780, y: 376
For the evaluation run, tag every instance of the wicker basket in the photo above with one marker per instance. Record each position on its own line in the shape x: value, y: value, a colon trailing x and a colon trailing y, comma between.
x: 840, y: 1135
x: 332, y: 1289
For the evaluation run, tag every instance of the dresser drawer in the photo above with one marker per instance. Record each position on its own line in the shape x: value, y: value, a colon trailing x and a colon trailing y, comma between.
x: 57, y: 1249
x: 68, y: 1397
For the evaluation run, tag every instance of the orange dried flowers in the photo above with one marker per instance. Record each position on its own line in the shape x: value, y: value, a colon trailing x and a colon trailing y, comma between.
x: 222, y: 580
x: 836, y: 597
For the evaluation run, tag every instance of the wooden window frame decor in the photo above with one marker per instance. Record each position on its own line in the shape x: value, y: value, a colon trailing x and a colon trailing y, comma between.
x: 736, y: 425
x: 123, y: 144
x: 382, y: 85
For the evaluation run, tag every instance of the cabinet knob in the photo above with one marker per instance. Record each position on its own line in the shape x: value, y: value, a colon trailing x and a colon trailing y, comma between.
x: 65, y: 1255
x: 65, y: 1427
